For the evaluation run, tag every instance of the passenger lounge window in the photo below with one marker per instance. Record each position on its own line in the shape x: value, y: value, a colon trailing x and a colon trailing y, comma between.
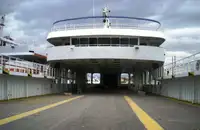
x: 133, y: 41
x: 75, y: 41
x: 115, y: 41
x: 84, y: 41
x: 104, y: 41
x: 93, y: 41
x: 124, y: 41
x: 143, y: 44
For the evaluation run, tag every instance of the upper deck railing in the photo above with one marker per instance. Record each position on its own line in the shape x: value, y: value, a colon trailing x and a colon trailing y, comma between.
x: 15, y: 66
x: 94, y: 22
x: 184, y: 67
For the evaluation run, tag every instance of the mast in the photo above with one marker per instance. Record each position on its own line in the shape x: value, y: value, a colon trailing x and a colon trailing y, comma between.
x: 106, y: 20
x: 93, y: 9
x: 2, y: 21
x: 93, y: 12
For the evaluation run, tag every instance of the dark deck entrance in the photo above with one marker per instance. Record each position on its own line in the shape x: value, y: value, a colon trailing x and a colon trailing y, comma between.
x: 110, y: 80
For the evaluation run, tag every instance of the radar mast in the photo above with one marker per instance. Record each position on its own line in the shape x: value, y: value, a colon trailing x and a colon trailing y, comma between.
x: 106, y: 20
x: 2, y: 21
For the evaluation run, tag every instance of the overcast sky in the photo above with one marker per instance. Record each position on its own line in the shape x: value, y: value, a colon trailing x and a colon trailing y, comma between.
x: 29, y: 20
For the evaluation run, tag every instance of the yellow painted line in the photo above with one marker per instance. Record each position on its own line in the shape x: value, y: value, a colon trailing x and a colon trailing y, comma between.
x: 25, y: 114
x: 148, y: 122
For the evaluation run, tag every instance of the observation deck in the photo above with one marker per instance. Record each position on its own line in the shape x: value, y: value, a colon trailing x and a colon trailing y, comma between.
x: 121, y: 27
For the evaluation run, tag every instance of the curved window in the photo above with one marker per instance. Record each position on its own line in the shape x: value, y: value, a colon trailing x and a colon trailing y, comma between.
x: 84, y: 41
x: 143, y: 44
x: 105, y: 42
x: 124, y: 41
x: 115, y: 41
x: 93, y: 41
x: 133, y: 41
x: 75, y: 41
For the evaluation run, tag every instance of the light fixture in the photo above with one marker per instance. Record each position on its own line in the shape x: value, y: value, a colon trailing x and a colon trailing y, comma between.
x: 136, y: 47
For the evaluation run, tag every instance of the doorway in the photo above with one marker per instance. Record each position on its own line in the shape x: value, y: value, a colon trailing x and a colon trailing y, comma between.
x: 110, y: 80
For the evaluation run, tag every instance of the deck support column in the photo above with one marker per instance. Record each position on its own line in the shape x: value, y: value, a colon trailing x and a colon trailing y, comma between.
x: 91, y: 78
x: 80, y: 81
x: 150, y: 77
x: 145, y: 77
x: 138, y: 80
x: 138, y: 41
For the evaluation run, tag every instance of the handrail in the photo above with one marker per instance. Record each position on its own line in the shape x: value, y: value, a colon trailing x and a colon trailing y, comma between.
x: 12, y: 64
x: 71, y: 20
x: 184, y: 58
x: 111, y: 45
x: 182, y: 67
x: 119, y: 45
x: 66, y: 27
x: 188, y: 57
x: 117, y: 17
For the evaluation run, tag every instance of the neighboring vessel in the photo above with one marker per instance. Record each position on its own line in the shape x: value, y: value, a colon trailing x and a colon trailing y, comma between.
x: 19, y: 59
x: 9, y: 47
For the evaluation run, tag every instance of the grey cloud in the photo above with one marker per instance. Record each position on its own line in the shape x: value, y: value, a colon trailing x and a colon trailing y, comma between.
x: 184, y: 14
x: 38, y: 15
x: 47, y: 12
x: 184, y: 47
x: 8, y: 6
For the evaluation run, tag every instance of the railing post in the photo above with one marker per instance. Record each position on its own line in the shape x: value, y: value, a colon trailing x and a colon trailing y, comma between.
x: 97, y: 41
x: 138, y: 41
x: 1, y: 60
x: 2, y: 67
x: 65, y: 27
x: 54, y: 71
x: 9, y: 63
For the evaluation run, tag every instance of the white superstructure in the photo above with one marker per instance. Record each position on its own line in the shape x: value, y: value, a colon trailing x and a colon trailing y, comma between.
x: 109, y: 45
x: 128, y: 45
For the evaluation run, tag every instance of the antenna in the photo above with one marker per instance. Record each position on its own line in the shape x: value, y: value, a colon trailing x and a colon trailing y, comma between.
x: 106, y: 20
x: 93, y: 12
x: 2, y: 25
x: 93, y: 9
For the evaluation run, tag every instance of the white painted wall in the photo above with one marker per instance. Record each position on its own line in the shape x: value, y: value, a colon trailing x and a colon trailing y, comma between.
x: 185, y: 88
x: 3, y: 91
x: 105, y: 32
x: 34, y: 88
x: 72, y: 52
x: 17, y: 87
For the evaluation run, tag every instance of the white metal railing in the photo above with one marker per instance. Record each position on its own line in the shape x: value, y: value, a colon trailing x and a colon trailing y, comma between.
x: 111, y: 45
x: 66, y: 27
x: 13, y: 66
x: 182, y: 67
x: 114, y: 45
